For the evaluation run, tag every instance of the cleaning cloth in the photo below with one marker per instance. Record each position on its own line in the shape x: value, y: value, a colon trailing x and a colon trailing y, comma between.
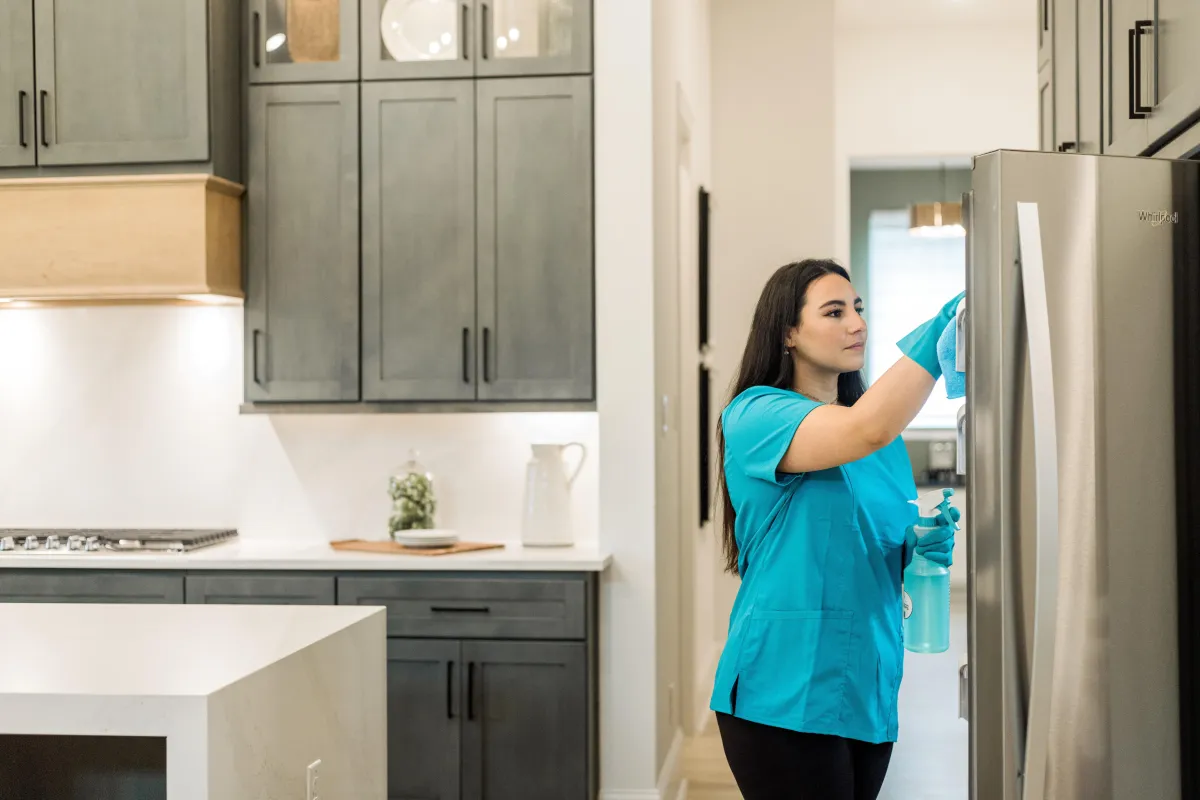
x: 947, y: 350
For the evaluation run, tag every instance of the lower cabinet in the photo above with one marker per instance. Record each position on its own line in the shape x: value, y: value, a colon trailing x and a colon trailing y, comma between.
x: 490, y: 689
x: 501, y: 720
x: 89, y: 586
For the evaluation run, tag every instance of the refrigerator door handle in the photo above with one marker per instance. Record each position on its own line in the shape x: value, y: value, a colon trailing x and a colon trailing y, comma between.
x: 1045, y: 455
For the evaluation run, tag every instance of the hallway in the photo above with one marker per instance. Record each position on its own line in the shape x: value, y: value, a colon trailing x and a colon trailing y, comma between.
x: 930, y: 760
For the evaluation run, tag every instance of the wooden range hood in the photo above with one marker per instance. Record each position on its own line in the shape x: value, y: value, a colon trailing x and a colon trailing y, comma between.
x: 113, y: 239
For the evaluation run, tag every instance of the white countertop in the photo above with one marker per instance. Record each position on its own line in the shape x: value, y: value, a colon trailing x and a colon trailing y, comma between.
x: 283, y: 555
x: 151, y: 650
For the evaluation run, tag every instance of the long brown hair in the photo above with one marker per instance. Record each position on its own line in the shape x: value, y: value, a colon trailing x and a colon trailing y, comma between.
x: 764, y: 363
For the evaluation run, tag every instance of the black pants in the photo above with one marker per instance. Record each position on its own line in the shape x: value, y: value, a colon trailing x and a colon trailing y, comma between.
x: 777, y: 764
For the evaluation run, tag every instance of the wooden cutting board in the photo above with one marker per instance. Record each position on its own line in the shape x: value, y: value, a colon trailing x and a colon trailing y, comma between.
x: 395, y: 548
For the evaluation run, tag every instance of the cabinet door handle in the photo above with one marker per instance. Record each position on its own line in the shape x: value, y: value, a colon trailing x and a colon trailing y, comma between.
x: 463, y: 34
x: 1140, y: 26
x: 449, y: 690
x: 21, y: 95
x: 470, y: 690
x: 1067, y: 147
x: 466, y: 355
x: 460, y: 609
x: 486, y: 29
x: 42, y: 112
x: 258, y: 334
x: 257, y: 35
x: 487, y: 354
x: 1045, y: 15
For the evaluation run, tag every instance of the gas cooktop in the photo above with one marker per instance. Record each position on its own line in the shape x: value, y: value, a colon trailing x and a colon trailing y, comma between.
x: 90, y: 540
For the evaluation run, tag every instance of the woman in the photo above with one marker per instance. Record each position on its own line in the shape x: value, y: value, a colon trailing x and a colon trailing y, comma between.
x: 816, y: 485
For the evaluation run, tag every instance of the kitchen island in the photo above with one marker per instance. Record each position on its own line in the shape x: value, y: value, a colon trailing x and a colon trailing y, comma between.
x: 192, y: 702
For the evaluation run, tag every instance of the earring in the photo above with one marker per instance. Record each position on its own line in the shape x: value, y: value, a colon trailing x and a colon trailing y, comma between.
x: 785, y: 350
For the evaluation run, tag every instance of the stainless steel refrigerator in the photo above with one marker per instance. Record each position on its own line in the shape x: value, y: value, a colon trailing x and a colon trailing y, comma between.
x: 1083, y: 476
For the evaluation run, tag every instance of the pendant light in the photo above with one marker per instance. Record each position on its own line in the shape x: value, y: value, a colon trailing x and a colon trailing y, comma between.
x: 937, y: 220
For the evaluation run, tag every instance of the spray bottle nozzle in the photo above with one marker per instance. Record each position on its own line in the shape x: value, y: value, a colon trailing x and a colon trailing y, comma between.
x: 934, y: 509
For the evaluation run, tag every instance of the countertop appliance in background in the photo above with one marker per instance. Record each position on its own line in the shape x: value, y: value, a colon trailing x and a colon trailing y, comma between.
x: 1083, y: 462
x: 91, y: 540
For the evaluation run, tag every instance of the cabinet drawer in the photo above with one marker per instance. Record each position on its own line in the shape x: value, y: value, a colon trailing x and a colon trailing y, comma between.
x: 284, y: 590
x: 88, y: 586
x: 489, y: 608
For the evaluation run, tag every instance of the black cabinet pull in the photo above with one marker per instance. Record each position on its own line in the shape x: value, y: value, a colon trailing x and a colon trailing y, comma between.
x: 257, y: 34
x: 21, y: 95
x: 487, y: 353
x: 460, y: 609
x: 1045, y: 15
x: 470, y: 690
x: 463, y: 37
x: 466, y: 355
x: 1141, y: 26
x: 486, y: 29
x: 1066, y: 147
x: 258, y: 334
x: 42, y: 111
x: 449, y: 690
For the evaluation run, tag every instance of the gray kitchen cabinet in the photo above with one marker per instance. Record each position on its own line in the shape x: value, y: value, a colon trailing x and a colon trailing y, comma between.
x: 122, y: 83
x: 260, y: 589
x: 418, y: 39
x: 525, y: 734
x: 302, y: 287
x: 535, y: 239
x: 533, y: 37
x: 418, y: 231
x: 1089, y: 78
x: 302, y: 41
x: 424, y: 711
x: 1126, y: 131
x: 1173, y: 65
x: 89, y: 586
x: 495, y: 607
x: 17, y: 141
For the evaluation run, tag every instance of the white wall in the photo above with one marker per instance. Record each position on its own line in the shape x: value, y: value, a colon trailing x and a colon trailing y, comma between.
x: 925, y: 92
x: 681, y: 164
x: 625, y: 368
x: 773, y: 168
x: 129, y: 416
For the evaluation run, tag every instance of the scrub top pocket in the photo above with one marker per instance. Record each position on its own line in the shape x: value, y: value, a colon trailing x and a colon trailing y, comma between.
x: 793, y: 665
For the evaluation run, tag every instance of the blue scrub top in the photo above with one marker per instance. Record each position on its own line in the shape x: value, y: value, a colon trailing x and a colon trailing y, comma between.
x: 815, y: 636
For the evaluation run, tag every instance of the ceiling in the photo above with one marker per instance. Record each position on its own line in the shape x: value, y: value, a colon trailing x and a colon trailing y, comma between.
x: 876, y: 13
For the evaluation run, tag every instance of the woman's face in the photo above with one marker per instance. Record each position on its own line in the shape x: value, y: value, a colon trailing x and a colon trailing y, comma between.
x: 832, y: 334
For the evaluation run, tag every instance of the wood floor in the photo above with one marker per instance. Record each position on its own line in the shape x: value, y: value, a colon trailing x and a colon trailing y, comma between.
x: 704, y: 767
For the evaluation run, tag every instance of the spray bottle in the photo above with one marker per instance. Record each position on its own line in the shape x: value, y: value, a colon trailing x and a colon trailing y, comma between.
x: 926, y: 584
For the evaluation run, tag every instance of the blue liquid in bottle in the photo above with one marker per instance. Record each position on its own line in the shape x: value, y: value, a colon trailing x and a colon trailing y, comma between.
x: 926, y: 607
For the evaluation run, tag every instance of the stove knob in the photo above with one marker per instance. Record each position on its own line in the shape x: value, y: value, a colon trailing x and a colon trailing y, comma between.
x: 7, y: 543
x: 76, y: 542
x: 31, y: 543
x: 52, y: 542
x: 92, y: 543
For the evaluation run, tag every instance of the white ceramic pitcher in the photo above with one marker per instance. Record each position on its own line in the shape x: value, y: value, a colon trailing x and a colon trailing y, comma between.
x: 546, y: 515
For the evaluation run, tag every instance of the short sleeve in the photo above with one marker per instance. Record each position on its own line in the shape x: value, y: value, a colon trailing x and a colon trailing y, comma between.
x: 759, y: 425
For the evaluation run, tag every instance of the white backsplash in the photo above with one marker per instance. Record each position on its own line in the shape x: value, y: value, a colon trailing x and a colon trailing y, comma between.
x: 128, y: 415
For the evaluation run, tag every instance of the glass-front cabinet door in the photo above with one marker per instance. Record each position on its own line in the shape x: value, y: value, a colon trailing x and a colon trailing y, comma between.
x: 303, y: 41
x: 534, y: 37
x: 417, y: 39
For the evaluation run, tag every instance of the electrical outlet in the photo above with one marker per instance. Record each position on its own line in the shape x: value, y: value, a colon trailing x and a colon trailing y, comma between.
x: 311, y: 780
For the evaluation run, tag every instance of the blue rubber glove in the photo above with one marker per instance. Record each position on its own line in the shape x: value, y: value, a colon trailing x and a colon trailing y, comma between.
x: 937, y: 545
x: 921, y: 345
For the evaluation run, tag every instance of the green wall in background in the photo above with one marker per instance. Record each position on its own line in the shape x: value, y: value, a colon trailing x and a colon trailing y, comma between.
x: 888, y: 190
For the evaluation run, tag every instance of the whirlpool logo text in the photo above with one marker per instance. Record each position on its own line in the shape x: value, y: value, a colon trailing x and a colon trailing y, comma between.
x: 1157, y: 218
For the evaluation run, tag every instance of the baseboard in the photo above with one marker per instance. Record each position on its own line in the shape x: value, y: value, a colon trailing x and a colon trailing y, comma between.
x: 669, y: 773
x: 630, y: 794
